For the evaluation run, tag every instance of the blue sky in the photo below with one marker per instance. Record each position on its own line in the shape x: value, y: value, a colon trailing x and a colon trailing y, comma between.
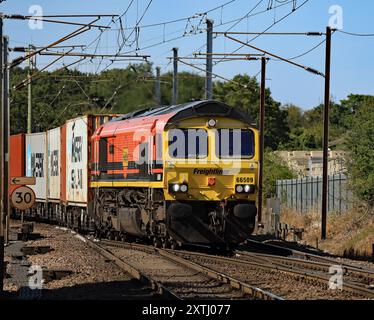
x: 352, y: 64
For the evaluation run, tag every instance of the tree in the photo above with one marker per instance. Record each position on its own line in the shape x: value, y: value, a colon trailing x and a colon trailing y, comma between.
x: 62, y: 95
x: 244, y: 93
x: 305, y: 127
x: 295, y: 118
x: 190, y: 87
x: 360, y: 151
x: 274, y: 169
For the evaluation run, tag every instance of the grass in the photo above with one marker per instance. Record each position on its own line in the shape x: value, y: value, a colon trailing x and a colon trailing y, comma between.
x: 351, y: 232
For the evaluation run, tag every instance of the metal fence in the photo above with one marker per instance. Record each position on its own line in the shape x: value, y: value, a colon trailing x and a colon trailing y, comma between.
x: 306, y: 194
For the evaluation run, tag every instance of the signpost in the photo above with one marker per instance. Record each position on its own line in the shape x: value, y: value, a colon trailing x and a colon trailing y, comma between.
x: 23, y: 198
x: 31, y: 181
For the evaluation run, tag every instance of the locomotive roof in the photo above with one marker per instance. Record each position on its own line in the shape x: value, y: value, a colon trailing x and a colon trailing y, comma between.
x: 190, y: 110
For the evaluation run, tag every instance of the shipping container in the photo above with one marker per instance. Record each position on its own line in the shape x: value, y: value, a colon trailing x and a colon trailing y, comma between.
x: 36, y: 162
x: 54, y: 159
x: 16, y: 158
x: 78, y: 135
x: 63, y: 164
x: 77, y: 161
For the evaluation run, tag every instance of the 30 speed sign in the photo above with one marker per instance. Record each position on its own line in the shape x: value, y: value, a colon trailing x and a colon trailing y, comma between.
x: 23, y: 198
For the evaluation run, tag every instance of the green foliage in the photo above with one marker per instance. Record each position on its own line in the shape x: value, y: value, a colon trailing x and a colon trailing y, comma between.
x: 244, y: 92
x: 58, y: 96
x: 360, y: 148
x: 295, y: 116
x: 274, y: 169
x: 305, y: 128
x: 351, y: 128
x: 190, y: 87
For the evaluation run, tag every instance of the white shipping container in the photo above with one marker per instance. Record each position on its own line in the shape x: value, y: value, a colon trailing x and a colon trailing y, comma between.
x: 54, y: 163
x: 77, y: 161
x: 36, y: 162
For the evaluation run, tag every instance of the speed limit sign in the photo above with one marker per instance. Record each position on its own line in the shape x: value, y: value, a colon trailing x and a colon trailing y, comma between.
x: 23, y: 198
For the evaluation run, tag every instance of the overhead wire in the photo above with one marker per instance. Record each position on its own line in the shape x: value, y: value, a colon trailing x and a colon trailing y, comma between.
x: 248, y: 15
x: 356, y: 34
x: 128, y: 37
x: 199, y: 31
x: 162, y: 23
x: 268, y: 28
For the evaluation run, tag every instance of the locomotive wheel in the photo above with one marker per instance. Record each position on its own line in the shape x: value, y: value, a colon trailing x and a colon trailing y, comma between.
x: 157, y: 243
x: 98, y: 234
x: 166, y: 243
x: 116, y: 236
x: 173, y: 245
x: 123, y: 237
x: 110, y: 235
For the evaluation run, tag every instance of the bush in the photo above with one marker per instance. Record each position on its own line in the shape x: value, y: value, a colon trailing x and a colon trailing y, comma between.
x: 274, y: 169
x: 360, y: 152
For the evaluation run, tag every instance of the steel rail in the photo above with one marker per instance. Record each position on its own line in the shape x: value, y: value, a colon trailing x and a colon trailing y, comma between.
x: 314, y: 265
x: 312, y: 276
x: 312, y: 257
x: 172, y: 255
x: 247, y: 289
x: 303, y: 273
x: 127, y: 267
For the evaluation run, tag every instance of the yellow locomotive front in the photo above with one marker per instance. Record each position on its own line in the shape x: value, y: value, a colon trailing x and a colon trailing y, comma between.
x: 211, y: 173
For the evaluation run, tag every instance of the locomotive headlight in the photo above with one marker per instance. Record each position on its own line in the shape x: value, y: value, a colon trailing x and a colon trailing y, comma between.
x: 239, y: 188
x: 212, y: 123
x: 176, y: 187
x: 246, y: 188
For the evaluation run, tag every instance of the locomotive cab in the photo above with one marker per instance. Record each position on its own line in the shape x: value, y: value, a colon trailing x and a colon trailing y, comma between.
x: 211, y: 168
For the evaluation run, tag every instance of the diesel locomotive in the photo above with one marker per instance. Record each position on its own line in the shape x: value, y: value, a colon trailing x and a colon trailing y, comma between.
x: 179, y: 174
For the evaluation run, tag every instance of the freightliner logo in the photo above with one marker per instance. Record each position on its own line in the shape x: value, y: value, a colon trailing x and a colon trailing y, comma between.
x: 208, y: 172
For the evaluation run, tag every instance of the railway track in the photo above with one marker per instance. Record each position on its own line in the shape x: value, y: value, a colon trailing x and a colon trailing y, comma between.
x: 218, y: 265
x: 300, y: 259
x: 207, y: 276
x: 173, y: 276
x: 360, y: 275
x: 284, y: 251
x: 310, y: 277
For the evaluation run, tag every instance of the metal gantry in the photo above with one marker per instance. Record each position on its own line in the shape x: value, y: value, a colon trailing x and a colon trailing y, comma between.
x: 209, y: 61
x: 175, y: 76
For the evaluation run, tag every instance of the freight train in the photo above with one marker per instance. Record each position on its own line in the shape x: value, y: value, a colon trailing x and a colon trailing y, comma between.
x: 179, y: 174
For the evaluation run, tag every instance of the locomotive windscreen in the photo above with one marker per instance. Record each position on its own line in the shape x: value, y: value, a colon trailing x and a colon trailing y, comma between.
x: 235, y: 143
x: 188, y: 143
